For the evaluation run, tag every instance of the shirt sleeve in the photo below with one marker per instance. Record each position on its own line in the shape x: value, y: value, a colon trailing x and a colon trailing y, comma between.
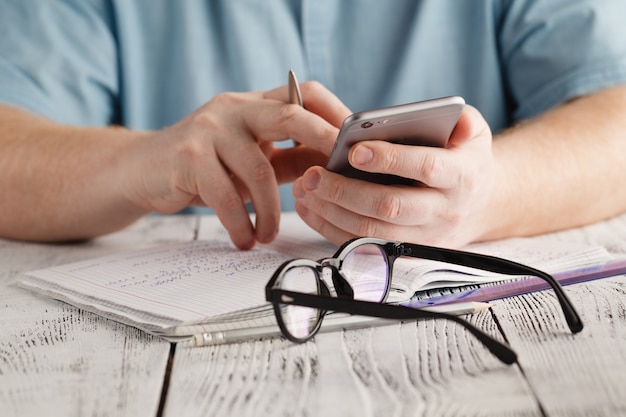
x: 553, y: 51
x: 59, y: 59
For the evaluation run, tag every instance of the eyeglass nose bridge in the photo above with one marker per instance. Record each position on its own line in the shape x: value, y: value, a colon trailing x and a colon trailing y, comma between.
x: 342, y: 287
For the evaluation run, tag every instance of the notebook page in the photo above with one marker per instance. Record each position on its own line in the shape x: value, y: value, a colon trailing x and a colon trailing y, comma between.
x: 295, y: 239
x: 209, y: 283
x: 185, y: 282
x: 411, y: 275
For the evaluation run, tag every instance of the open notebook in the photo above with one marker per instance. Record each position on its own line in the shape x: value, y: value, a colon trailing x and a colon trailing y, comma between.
x: 207, y: 285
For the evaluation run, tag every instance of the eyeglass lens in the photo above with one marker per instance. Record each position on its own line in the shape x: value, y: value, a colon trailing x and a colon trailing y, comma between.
x: 364, y: 268
x: 300, y: 321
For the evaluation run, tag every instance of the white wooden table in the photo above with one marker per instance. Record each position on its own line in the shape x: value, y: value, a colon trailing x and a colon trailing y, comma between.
x: 56, y: 360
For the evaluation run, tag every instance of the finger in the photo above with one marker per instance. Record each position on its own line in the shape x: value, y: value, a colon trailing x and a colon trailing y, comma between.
x: 270, y: 120
x: 399, y: 205
x: 291, y: 163
x: 250, y: 165
x: 338, y: 224
x: 331, y: 232
x: 435, y: 167
x: 228, y: 206
x: 471, y: 124
x: 317, y: 99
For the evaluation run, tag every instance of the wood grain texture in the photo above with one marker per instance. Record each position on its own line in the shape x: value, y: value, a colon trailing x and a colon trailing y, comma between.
x: 421, y: 368
x: 57, y: 360
x: 582, y: 374
x: 428, y: 368
x: 572, y: 375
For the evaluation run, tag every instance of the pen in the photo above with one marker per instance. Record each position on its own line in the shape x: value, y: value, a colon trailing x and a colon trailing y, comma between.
x: 457, y: 309
x: 335, y: 321
x: 295, y: 96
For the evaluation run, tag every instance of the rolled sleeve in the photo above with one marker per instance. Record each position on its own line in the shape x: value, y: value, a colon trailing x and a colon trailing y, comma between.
x: 556, y: 50
x: 66, y: 72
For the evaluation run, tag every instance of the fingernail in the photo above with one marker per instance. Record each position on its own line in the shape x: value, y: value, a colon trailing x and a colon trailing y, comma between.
x: 362, y: 155
x: 311, y: 180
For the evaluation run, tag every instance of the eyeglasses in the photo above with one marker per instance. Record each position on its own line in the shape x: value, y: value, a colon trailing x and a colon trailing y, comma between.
x: 360, y: 273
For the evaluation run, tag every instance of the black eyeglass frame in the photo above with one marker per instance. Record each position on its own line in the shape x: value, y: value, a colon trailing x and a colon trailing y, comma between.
x: 324, y: 302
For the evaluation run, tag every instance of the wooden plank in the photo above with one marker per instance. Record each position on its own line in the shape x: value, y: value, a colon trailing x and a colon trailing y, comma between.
x: 583, y: 374
x: 425, y: 368
x: 421, y: 368
x: 57, y: 360
x: 572, y: 375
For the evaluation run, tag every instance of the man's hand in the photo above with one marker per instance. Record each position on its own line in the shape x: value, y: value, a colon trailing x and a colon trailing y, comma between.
x: 559, y: 170
x: 222, y: 155
x: 454, y: 184
x: 65, y: 182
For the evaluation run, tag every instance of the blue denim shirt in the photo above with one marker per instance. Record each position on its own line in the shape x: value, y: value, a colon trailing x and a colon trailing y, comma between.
x: 147, y: 63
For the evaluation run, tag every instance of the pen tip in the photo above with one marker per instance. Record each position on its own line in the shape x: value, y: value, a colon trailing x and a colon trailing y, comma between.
x: 479, y: 306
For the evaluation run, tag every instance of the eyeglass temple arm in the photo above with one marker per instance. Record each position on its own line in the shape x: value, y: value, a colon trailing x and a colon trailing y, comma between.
x: 390, y: 311
x: 497, y: 265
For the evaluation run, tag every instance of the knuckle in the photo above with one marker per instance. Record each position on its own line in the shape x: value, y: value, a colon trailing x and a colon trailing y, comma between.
x: 386, y: 161
x: 225, y: 99
x: 199, y: 127
x: 203, y: 121
x: 311, y: 87
x: 420, y: 209
x: 323, y: 131
x: 286, y: 114
x: 324, y: 228
x: 191, y: 150
x: 431, y: 168
x: 454, y: 219
x: 466, y: 185
x: 388, y: 206
x: 262, y: 172
x: 230, y: 202
x: 469, y: 181
x: 449, y: 215
x: 335, y: 191
x: 366, y: 226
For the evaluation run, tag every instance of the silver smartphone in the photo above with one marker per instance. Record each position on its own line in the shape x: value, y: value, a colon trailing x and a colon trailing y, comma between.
x: 423, y: 123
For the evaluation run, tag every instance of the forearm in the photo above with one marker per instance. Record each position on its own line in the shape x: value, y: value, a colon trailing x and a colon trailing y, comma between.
x: 561, y: 170
x: 59, y: 182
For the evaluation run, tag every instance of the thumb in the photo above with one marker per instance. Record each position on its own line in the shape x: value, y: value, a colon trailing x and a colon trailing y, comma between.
x: 471, y: 124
